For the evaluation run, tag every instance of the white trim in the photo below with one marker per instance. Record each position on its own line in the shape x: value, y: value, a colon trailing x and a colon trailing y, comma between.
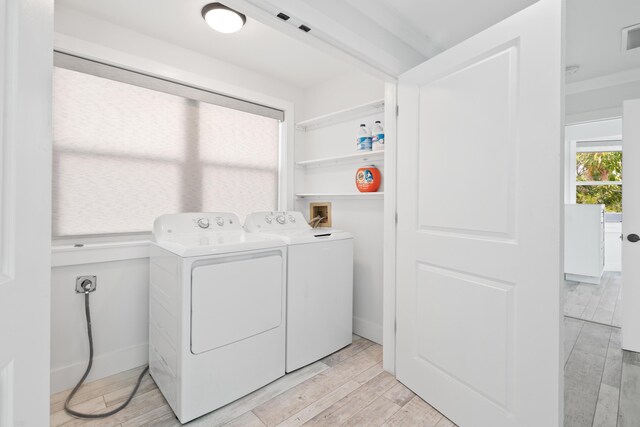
x: 593, y: 280
x: 596, y: 183
x: 104, y: 365
x: 65, y: 253
x: 366, y: 329
x: 390, y: 209
x: 593, y: 116
x: 613, y: 79
x: 9, y: 49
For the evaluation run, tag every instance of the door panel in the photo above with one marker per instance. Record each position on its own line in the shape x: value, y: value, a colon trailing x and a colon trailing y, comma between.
x: 480, y: 180
x: 26, y: 63
x: 631, y: 225
x: 479, y: 214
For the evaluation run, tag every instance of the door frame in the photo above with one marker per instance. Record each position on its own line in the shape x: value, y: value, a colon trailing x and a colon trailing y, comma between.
x: 390, y: 229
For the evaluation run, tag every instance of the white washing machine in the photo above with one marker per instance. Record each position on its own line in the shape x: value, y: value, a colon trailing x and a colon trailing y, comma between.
x: 216, y: 312
x: 319, y: 284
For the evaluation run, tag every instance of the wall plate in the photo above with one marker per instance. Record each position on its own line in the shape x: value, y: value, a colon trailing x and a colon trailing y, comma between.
x: 81, y: 279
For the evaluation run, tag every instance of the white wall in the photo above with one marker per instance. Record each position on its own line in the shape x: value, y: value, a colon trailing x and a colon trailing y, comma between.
x: 119, y: 310
x: 120, y: 305
x: 597, y: 103
x: 348, y: 90
x: 362, y: 218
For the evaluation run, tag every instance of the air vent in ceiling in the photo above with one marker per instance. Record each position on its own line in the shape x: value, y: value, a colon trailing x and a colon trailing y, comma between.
x: 283, y: 16
x: 631, y: 37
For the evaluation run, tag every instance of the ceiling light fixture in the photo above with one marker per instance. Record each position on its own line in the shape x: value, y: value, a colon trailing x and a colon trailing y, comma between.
x: 222, y: 18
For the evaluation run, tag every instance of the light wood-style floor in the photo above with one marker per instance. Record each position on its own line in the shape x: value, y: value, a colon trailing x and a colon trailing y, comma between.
x: 596, y: 303
x: 347, y: 388
x: 602, y: 382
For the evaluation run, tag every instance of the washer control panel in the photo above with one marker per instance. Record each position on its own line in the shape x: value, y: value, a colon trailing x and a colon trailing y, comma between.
x: 274, y: 221
x: 168, y: 226
x: 216, y: 221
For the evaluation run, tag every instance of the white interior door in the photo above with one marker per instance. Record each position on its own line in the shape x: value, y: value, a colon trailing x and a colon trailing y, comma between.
x: 26, y: 44
x: 631, y: 226
x: 479, y: 224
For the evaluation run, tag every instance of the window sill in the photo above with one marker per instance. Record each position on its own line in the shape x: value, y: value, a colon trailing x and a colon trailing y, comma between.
x: 64, y: 253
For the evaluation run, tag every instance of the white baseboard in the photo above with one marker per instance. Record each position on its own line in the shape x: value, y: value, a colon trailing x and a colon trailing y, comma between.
x: 582, y: 279
x: 369, y: 330
x: 104, y: 365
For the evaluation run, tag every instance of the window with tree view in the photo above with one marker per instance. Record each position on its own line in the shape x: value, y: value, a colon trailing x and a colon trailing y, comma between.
x: 599, y: 179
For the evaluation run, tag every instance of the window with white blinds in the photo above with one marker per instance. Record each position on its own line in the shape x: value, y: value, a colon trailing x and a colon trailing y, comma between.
x: 125, y: 154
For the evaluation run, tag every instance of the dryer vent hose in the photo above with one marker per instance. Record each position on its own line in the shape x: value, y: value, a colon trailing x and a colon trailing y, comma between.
x: 86, y: 373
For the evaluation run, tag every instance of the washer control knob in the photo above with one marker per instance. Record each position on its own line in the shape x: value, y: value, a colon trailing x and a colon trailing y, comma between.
x: 203, y: 223
x: 292, y: 218
x: 220, y: 221
x: 281, y: 219
x: 268, y: 219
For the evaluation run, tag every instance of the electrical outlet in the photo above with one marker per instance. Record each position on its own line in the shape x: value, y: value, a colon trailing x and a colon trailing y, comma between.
x: 86, y: 284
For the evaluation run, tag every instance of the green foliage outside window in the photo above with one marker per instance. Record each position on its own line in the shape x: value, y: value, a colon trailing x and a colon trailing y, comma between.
x: 600, y: 166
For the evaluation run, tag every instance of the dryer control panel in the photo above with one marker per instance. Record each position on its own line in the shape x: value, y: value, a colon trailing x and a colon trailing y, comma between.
x: 167, y: 226
x: 273, y: 221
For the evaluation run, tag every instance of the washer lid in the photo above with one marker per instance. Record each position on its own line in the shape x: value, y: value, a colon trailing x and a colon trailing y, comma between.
x: 206, y: 233
x: 311, y: 235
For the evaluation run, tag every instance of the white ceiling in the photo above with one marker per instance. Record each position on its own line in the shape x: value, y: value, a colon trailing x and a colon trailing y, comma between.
x: 397, y: 34
x: 447, y: 23
x: 393, y: 35
x: 257, y: 46
x: 594, y: 37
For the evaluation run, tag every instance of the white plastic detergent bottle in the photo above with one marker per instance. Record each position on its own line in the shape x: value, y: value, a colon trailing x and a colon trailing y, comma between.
x: 364, y: 138
x: 377, y: 137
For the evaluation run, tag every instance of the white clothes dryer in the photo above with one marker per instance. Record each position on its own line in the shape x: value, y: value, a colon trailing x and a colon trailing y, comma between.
x: 216, y: 311
x: 319, y: 284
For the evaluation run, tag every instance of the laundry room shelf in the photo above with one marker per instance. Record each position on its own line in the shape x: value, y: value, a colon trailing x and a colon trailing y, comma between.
x: 342, y: 115
x: 367, y: 156
x: 377, y: 195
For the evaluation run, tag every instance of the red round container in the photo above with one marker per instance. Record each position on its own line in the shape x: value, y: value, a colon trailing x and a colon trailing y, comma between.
x: 368, y: 179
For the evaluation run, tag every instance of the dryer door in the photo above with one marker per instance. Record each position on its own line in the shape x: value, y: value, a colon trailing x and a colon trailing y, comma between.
x: 234, y: 298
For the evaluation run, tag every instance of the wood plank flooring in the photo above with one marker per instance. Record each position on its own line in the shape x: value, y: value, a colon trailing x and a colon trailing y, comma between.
x: 347, y: 388
x: 596, y: 303
x: 602, y: 382
x: 350, y: 388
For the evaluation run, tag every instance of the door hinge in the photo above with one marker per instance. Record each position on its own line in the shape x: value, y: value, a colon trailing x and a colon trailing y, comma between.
x: 395, y: 325
x: 397, y: 110
x: 396, y: 218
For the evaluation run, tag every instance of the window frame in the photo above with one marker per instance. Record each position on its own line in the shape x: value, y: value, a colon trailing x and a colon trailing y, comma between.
x: 72, y: 250
x: 596, y: 146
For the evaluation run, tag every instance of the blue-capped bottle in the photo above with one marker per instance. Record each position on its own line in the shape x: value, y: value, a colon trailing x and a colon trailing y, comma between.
x: 364, y: 138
